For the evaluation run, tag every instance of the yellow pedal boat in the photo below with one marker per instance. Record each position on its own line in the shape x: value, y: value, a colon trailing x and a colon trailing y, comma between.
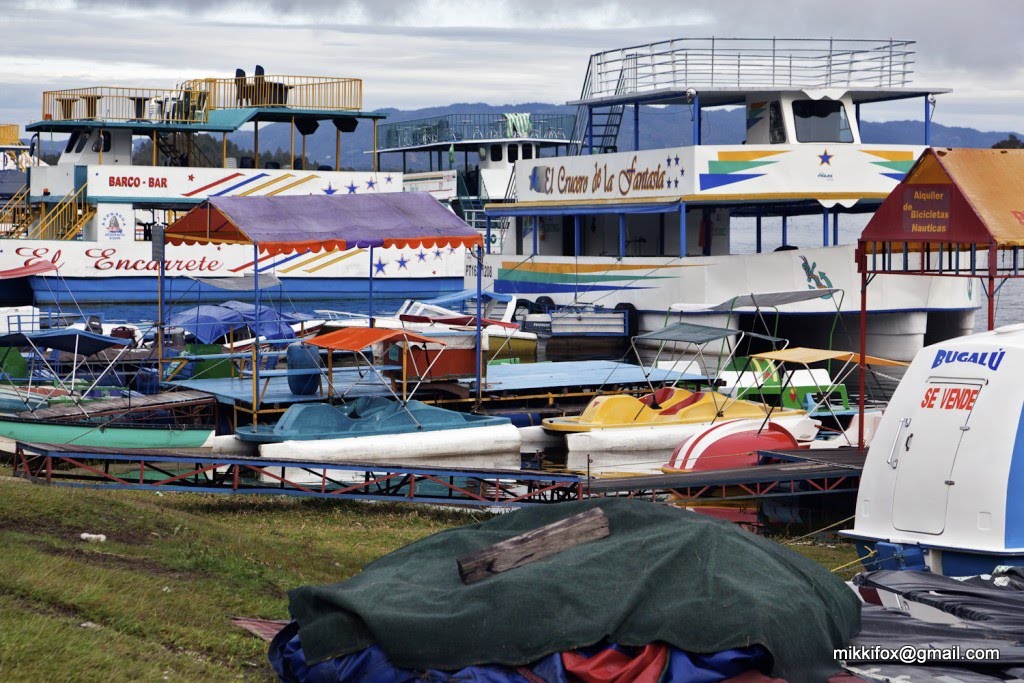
x: 666, y: 406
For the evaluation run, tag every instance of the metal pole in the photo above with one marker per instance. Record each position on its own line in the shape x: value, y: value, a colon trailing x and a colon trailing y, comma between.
x: 369, y: 306
x: 590, y: 130
x: 256, y: 334
x: 785, y: 231
x: 636, y: 126
x: 863, y: 343
x: 835, y: 228
x: 622, y: 235
x: 682, y: 228
x: 536, y: 234
x: 758, y: 231
x: 487, y: 233
x: 576, y: 234
x: 479, y: 323
x: 696, y: 119
x: 824, y: 228
x: 992, y: 285
x: 927, y: 124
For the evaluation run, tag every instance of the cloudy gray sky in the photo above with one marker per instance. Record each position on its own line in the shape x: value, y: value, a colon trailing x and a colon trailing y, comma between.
x: 416, y: 53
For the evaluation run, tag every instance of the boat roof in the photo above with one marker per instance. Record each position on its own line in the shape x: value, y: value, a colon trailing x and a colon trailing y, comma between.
x: 70, y: 340
x: 218, y: 121
x: 725, y: 97
x: 806, y: 356
x: 242, y: 283
x: 692, y: 333
x: 465, y: 294
x: 765, y: 299
x: 358, y: 338
x: 468, y: 132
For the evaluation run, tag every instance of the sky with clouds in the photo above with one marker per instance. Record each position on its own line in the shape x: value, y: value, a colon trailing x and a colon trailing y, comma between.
x: 419, y: 53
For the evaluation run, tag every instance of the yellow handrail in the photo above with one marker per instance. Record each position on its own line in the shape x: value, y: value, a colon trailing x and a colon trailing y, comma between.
x: 103, y: 103
x: 9, y: 134
x: 66, y: 218
x: 16, y: 214
x: 299, y: 92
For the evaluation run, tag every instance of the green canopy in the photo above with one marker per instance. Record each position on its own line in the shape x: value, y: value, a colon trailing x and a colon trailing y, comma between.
x: 663, y: 574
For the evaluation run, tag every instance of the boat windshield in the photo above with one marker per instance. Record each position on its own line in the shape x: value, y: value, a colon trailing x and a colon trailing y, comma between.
x: 821, y: 121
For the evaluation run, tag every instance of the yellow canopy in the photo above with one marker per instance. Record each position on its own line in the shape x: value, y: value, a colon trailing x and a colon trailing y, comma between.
x: 806, y: 356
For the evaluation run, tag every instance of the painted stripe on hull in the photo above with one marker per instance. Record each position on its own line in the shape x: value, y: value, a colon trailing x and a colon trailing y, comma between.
x: 144, y: 289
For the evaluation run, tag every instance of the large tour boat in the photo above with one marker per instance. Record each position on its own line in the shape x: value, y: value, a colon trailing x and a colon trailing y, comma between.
x: 93, y: 212
x: 658, y: 230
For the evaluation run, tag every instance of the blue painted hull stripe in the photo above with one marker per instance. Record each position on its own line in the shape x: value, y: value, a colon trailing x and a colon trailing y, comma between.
x: 1013, y: 535
x: 241, y: 184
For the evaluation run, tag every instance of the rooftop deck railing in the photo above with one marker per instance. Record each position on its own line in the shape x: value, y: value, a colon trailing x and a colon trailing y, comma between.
x: 461, y: 127
x: 9, y: 135
x: 125, y: 104
x: 750, y: 63
x: 192, y: 101
x: 298, y: 92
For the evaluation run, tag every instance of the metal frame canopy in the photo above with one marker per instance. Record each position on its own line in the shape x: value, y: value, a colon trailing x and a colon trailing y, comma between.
x: 952, y: 204
x: 280, y: 225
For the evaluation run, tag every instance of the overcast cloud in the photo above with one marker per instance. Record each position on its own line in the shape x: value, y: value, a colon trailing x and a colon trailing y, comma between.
x: 413, y: 54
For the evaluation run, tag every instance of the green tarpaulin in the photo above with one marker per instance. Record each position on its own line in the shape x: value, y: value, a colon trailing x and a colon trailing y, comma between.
x: 664, y: 574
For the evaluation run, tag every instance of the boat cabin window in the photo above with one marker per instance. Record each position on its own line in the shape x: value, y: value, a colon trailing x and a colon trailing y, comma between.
x: 495, y: 152
x: 483, y: 153
x: 776, y: 126
x: 82, y: 139
x: 821, y: 121
x: 527, y: 151
x: 513, y: 153
x: 72, y: 141
x: 103, y: 140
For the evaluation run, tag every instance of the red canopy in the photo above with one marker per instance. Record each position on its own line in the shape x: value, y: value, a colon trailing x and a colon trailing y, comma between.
x: 358, y: 338
x: 36, y: 268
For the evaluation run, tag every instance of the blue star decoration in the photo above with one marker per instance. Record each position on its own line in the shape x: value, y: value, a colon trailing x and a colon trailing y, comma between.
x: 438, y: 253
x: 668, y: 161
x: 379, y: 265
x: 370, y: 184
x: 682, y: 171
x: 387, y: 179
x: 677, y: 161
x: 826, y: 158
x: 451, y: 250
x: 351, y: 187
x: 422, y: 255
x: 402, y: 262
x: 329, y: 189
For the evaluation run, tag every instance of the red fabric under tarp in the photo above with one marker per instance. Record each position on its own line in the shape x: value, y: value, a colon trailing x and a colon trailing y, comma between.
x: 358, y: 338
x: 316, y: 223
x: 36, y: 268
x: 613, y: 666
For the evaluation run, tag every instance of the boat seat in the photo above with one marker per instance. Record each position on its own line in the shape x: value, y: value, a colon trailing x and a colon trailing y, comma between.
x: 658, y: 397
x: 685, y: 403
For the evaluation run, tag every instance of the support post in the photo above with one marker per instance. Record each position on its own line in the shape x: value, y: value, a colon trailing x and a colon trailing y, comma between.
x: 487, y: 233
x: 535, y: 220
x: 376, y: 157
x: 223, y: 150
x: 835, y: 228
x: 927, y: 122
x: 696, y: 119
x: 291, y: 140
x: 682, y: 228
x: 785, y: 231
x: 256, y: 334
x: 479, y: 323
x: 622, y: 235
x: 337, y: 149
x: 590, y: 130
x: 636, y: 126
x: 256, y: 144
x: 862, y: 265
x: 576, y: 234
x: 992, y: 266
x: 824, y: 228
x: 369, y: 306
x: 757, y: 231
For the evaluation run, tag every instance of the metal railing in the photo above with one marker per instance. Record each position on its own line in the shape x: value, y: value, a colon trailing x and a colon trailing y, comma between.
x: 9, y: 135
x: 459, y: 127
x: 298, y: 92
x: 178, y: 105
x: 751, y: 63
x: 65, y: 220
x: 17, y: 214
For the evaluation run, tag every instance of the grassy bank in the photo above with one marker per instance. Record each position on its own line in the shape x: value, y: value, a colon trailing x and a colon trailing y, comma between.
x: 153, y: 602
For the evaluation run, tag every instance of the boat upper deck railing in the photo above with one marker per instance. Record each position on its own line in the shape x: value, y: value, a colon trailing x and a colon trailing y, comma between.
x: 193, y: 100
x: 9, y: 135
x: 750, y: 63
x: 467, y: 127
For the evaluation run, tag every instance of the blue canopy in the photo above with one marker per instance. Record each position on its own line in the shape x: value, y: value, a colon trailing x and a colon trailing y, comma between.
x: 82, y: 342
x: 272, y: 324
x: 465, y: 294
x: 208, y: 323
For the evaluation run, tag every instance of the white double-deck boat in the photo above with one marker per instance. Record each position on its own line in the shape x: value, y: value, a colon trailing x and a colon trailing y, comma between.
x: 647, y: 229
x: 93, y: 213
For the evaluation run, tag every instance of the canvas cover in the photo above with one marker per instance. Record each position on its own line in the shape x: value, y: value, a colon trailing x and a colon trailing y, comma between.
x: 323, y: 222
x: 358, y: 338
x: 70, y: 340
x: 662, y: 575
x: 805, y: 356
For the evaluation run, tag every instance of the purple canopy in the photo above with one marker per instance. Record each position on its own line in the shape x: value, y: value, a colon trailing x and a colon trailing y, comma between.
x: 324, y: 222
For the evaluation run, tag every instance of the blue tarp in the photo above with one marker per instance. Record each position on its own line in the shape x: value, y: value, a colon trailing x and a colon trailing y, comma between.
x: 465, y: 294
x: 209, y: 323
x: 82, y: 342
